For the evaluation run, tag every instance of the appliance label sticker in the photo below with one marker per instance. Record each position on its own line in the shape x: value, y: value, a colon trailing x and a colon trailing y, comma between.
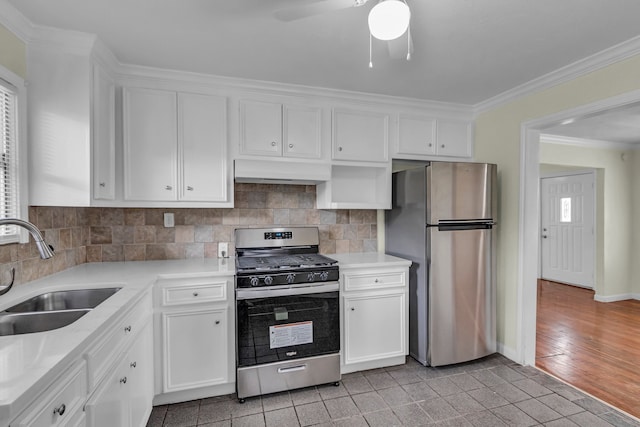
x: 291, y: 334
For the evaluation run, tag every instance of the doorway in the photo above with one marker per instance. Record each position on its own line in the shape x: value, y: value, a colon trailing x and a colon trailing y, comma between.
x: 567, y: 223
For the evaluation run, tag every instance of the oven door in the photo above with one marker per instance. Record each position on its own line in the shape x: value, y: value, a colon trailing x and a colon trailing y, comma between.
x: 281, y: 324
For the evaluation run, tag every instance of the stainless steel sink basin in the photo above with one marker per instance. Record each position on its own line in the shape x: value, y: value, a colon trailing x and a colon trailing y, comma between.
x: 26, y: 323
x: 64, y: 300
x: 51, y: 310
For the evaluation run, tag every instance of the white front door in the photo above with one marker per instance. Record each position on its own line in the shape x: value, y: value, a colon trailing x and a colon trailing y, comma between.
x: 568, y: 229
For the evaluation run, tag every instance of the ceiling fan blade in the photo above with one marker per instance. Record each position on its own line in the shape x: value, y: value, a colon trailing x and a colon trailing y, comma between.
x: 316, y: 8
x: 400, y: 47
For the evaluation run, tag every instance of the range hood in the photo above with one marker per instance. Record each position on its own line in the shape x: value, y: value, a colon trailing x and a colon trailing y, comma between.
x: 281, y: 172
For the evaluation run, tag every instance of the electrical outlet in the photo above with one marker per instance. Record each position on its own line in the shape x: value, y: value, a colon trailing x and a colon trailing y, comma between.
x: 223, y: 250
x: 169, y: 220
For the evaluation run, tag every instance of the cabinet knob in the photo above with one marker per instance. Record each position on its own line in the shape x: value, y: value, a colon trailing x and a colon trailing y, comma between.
x: 273, y: 143
x: 60, y: 409
x: 442, y: 146
x: 133, y: 364
x: 123, y: 380
x: 195, y: 294
x: 168, y: 187
x: 376, y: 281
x: 339, y: 148
x: 290, y: 145
x: 189, y: 188
x: 430, y: 144
x: 102, y: 184
x: 353, y: 309
x: 127, y: 328
x: 217, y: 322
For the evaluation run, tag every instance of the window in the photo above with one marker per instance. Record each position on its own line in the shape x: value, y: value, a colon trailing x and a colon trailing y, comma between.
x: 565, y: 209
x: 10, y: 112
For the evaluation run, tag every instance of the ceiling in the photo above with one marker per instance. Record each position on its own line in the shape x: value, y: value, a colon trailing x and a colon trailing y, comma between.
x: 466, y: 51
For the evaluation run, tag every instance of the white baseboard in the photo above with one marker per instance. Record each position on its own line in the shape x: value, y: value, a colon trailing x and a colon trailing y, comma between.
x: 614, y: 298
x: 508, y: 352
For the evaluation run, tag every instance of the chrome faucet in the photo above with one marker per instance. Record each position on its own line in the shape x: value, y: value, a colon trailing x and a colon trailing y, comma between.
x: 45, y: 250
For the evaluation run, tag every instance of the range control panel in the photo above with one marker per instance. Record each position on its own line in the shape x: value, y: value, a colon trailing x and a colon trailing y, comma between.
x: 277, y: 235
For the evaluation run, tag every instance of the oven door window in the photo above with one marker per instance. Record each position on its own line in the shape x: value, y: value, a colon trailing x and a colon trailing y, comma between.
x: 287, y: 327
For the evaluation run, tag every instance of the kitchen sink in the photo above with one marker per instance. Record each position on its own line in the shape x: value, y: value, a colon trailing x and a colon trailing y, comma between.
x: 27, y: 323
x: 63, y: 300
x: 51, y: 310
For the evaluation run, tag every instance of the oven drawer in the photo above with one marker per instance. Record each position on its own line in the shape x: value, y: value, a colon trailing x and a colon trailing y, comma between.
x: 383, y: 279
x: 289, y: 375
x: 194, y: 293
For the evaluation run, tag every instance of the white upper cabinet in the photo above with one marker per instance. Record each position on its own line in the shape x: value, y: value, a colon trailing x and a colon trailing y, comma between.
x: 71, y: 127
x: 360, y: 135
x: 433, y: 137
x: 174, y: 146
x: 280, y: 130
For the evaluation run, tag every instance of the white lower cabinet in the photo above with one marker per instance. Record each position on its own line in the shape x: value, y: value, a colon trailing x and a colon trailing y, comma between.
x: 124, y: 397
x: 373, y: 327
x: 374, y: 318
x: 61, y: 403
x: 193, y: 354
x: 195, y: 340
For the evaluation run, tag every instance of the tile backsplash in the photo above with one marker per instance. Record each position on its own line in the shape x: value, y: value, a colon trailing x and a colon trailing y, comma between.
x: 82, y: 235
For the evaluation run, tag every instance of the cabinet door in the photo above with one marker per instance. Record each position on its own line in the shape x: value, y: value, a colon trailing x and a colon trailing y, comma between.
x: 260, y: 128
x: 139, y: 364
x: 454, y: 138
x: 416, y: 135
x: 302, y: 132
x: 194, y: 349
x: 374, y: 327
x: 103, y: 138
x: 362, y: 136
x: 150, y: 148
x: 202, y: 140
x: 109, y: 406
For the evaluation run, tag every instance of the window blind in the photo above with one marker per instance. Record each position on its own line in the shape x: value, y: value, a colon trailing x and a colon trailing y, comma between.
x: 8, y: 170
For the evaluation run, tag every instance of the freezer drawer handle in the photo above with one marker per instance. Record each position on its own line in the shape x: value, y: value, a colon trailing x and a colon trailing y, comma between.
x: 292, y: 369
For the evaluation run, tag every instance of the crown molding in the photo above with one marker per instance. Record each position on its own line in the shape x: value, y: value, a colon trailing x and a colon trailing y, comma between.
x: 136, y: 74
x: 15, y: 21
x: 567, y: 73
x: 585, y: 142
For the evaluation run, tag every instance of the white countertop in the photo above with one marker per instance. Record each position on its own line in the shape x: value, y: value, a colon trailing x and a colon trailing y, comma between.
x: 29, y: 362
x: 368, y: 259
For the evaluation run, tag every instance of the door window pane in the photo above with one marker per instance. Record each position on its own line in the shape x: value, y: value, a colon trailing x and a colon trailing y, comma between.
x: 565, y: 209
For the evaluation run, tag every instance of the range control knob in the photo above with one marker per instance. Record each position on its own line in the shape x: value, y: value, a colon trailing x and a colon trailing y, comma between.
x: 255, y: 281
x: 324, y: 275
x: 291, y: 277
x: 311, y: 277
x: 268, y: 280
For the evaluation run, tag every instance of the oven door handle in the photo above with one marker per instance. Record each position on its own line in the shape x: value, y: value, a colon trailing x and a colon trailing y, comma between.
x: 242, y: 294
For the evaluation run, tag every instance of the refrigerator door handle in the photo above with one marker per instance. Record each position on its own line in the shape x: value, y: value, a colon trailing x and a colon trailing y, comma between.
x: 466, y: 225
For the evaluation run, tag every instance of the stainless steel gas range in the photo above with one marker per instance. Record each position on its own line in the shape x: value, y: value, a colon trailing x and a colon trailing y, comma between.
x: 287, y: 311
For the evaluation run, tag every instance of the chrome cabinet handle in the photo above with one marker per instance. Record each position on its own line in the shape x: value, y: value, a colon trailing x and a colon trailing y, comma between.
x: 102, y: 184
x: 273, y: 143
x: 133, y: 364
x: 60, y: 409
x: 189, y: 188
x: 290, y: 145
x: 123, y: 380
x: 217, y: 322
x: 127, y: 328
x: 168, y: 187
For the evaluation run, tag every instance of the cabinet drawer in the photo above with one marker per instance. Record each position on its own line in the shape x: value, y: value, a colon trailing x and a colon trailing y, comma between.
x: 193, y: 294
x: 101, y: 356
x: 387, y: 279
x: 61, y: 403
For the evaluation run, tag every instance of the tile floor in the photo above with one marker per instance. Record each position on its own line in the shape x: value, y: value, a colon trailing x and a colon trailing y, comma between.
x: 490, y: 392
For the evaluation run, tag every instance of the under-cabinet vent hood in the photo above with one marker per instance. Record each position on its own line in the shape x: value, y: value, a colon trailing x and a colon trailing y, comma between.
x: 279, y: 172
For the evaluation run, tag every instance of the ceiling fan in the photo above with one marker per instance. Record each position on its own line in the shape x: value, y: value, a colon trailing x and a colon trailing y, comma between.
x: 388, y: 21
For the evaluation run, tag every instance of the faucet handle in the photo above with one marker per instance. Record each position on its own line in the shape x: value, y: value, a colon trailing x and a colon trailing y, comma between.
x: 5, y: 289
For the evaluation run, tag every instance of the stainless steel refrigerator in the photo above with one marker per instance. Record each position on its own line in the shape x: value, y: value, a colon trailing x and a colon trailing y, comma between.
x: 443, y: 219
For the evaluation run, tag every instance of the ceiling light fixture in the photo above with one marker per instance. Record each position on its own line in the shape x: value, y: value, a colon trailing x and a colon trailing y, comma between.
x: 388, y: 20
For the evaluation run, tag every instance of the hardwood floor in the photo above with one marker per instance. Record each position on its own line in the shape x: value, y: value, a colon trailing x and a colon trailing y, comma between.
x: 592, y: 345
